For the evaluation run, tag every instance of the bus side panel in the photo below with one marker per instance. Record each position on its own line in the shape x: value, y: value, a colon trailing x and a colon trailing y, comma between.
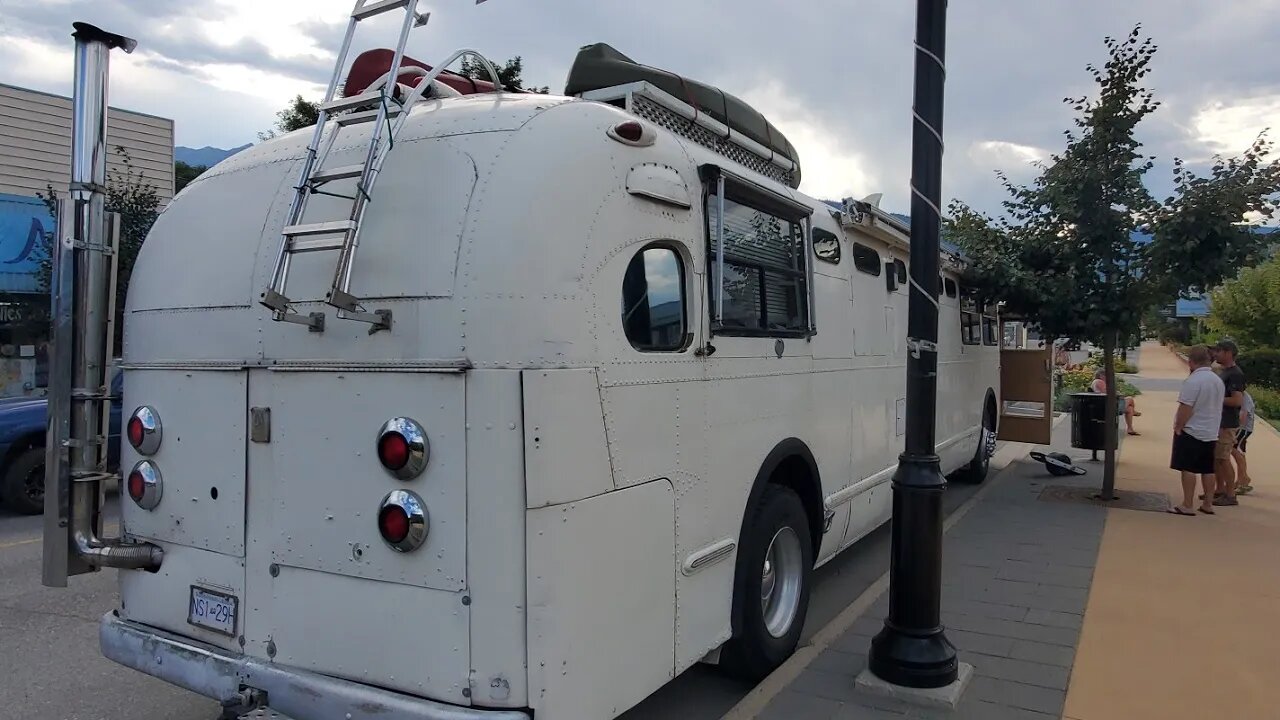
x: 495, y: 538
x: 566, y: 456
x: 601, y: 602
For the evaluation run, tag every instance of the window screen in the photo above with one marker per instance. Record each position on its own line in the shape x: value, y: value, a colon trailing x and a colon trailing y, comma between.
x: 764, y: 285
x: 826, y: 246
x: 653, y: 300
x: 866, y: 260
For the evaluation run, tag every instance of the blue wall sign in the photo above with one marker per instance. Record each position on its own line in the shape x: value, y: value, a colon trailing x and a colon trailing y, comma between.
x: 23, y: 221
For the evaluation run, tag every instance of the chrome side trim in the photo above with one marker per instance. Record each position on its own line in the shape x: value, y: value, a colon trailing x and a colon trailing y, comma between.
x: 219, y: 674
x: 708, y: 556
x: 316, y: 365
x: 842, y: 496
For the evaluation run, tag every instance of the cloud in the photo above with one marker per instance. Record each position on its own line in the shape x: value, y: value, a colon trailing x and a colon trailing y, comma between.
x: 831, y: 167
x: 1011, y: 158
x: 1229, y: 128
x: 836, y: 76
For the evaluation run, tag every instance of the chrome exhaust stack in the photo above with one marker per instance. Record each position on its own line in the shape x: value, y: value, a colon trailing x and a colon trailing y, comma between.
x: 83, y: 311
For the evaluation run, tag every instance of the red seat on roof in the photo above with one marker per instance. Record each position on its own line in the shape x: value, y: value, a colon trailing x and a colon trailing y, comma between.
x: 372, y: 64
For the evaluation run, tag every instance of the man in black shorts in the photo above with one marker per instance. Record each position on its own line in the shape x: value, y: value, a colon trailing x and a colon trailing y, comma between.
x: 1233, y: 398
x: 1196, y: 427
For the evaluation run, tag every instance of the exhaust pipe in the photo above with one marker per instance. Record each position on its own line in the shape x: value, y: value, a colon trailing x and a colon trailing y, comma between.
x: 83, y: 309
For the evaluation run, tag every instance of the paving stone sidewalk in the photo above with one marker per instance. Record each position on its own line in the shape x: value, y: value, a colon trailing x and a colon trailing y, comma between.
x: 1016, y: 578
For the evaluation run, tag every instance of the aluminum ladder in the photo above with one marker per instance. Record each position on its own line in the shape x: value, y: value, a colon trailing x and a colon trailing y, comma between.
x: 377, y: 104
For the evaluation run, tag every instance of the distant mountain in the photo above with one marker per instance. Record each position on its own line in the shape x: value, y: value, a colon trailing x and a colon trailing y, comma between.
x: 206, y: 156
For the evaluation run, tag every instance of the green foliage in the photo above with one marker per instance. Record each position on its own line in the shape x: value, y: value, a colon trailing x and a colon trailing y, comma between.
x: 138, y: 203
x: 1261, y: 367
x: 184, y: 174
x: 1175, y: 335
x: 508, y: 73
x: 298, y: 114
x: 1266, y: 402
x: 1247, y: 309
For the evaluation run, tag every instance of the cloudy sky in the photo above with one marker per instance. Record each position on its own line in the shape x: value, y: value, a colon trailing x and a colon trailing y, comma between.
x: 834, y: 75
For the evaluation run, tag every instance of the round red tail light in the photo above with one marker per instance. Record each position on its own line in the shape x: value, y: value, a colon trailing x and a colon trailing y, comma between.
x: 137, y: 486
x: 402, y: 520
x: 144, y: 431
x: 393, y: 451
x: 393, y: 523
x: 145, y: 486
x: 403, y: 448
x: 135, y: 432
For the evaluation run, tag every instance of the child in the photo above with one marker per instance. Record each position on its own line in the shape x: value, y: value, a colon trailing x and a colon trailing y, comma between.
x: 1243, y: 485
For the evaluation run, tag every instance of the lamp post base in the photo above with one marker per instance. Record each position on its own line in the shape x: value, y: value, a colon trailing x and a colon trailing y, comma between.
x: 913, y: 659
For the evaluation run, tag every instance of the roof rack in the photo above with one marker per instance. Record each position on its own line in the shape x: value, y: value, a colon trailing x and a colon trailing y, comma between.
x: 646, y: 100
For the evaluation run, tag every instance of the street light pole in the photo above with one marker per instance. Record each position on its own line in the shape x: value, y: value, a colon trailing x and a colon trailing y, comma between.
x: 912, y: 650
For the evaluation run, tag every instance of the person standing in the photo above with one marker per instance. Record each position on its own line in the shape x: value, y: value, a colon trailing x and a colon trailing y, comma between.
x: 1196, y: 427
x: 1244, y: 484
x: 1233, y: 381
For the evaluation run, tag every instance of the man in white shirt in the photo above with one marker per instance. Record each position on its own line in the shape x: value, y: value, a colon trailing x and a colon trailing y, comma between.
x: 1195, y: 431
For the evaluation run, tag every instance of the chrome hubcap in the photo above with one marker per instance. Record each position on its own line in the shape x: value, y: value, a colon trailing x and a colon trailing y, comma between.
x: 780, y: 582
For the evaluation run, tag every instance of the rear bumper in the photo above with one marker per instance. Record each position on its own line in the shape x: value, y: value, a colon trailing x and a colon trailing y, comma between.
x: 299, y: 694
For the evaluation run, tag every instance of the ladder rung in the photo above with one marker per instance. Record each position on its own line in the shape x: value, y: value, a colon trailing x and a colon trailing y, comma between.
x: 322, y: 228
x: 364, y: 116
x: 378, y: 8
x: 299, y: 245
x: 336, y: 173
x: 364, y: 100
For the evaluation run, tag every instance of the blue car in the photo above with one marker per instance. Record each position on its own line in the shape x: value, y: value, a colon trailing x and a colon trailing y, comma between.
x: 23, y: 422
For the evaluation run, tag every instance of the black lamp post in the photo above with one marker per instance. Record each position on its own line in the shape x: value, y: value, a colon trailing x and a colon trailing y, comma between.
x: 912, y: 650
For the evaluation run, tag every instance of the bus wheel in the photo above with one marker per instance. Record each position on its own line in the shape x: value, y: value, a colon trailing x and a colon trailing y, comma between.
x: 976, y: 471
x: 776, y: 564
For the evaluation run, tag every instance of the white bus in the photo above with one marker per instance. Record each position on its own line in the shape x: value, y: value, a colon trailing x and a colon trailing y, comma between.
x: 632, y: 389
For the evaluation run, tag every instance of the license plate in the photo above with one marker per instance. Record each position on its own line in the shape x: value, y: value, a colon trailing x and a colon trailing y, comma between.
x: 213, y: 610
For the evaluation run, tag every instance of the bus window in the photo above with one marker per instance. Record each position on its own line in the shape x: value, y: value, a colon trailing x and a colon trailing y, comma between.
x: 765, y: 290
x: 950, y: 286
x: 826, y: 246
x: 866, y: 260
x: 653, y: 300
x: 990, y: 328
x: 970, y: 318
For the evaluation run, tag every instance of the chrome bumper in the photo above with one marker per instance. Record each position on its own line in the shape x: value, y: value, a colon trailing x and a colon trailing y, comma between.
x: 299, y: 694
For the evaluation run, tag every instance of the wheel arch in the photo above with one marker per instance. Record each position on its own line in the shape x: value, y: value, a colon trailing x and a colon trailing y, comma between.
x: 790, y: 464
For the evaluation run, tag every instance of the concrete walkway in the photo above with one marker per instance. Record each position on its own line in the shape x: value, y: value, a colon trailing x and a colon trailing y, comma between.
x: 1183, y: 611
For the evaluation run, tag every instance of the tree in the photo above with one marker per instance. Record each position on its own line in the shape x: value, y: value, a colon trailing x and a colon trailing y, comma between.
x: 184, y: 174
x: 298, y: 114
x: 1248, y: 308
x: 1084, y: 249
x: 138, y: 203
x: 508, y: 73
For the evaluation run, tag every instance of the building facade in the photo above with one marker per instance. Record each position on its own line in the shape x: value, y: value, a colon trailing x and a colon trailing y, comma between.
x: 35, y: 157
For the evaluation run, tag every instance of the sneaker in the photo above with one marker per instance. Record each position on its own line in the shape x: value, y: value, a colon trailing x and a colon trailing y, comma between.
x: 1244, y: 490
x: 1225, y: 501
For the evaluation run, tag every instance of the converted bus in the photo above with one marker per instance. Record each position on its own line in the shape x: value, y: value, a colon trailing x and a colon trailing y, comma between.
x: 614, y: 388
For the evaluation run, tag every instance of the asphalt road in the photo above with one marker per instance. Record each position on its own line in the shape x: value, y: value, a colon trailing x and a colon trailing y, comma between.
x: 50, y: 667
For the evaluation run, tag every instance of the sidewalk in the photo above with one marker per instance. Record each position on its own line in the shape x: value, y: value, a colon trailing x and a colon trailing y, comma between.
x: 1079, y: 611
x: 1181, y: 616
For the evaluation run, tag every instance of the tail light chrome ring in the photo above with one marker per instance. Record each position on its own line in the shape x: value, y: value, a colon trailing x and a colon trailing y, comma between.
x: 144, y: 430
x: 403, y: 521
x: 145, y: 485
x: 403, y: 447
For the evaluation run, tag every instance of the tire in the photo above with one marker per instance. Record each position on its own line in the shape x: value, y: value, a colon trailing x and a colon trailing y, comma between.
x: 22, y: 488
x: 976, y: 471
x: 772, y: 617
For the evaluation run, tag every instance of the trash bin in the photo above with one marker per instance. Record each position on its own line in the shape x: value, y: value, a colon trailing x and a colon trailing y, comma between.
x: 1088, y: 421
